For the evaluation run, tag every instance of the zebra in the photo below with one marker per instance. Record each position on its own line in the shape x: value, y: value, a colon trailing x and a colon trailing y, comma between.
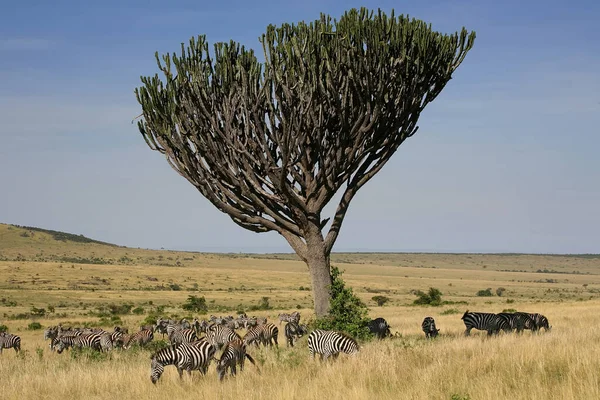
x: 519, y: 321
x: 64, y: 342
x: 330, y: 344
x: 141, y: 338
x: 51, y: 332
x: 293, y: 317
x: 380, y: 328
x: 294, y: 331
x: 540, y: 322
x: 234, y: 354
x: 489, y: 322
x: 219, y: 335
x: 265, y: 334
x: 110, y: 340
x: 428, y: 326
x: 188, y: 356
x: 9, y: 341
x: 183, y: 336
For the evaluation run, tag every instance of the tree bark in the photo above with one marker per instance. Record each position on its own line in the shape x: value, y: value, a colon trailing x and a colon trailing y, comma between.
x: 318, y: 261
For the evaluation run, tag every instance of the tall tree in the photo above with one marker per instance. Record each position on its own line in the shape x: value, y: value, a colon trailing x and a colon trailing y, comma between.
x: 270, y: 143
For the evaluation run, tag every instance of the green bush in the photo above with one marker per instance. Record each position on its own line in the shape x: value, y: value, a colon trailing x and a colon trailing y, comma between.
x: 347, y: 312
x: 380, y: 300
x: 485, y: 293
x: 263, y: 304
x: 34, y: 326
x: 433, y: 297
x: 138, y: 310
x: 195, y: 304
x: 3, y: 328
x: 120, y: 309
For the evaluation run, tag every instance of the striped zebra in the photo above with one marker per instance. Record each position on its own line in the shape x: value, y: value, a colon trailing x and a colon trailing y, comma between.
x: 293, y: 331
x: 186, y: 356
x: 9, y: 341
x: 50, y: 332
x: 293, y: 317
x: 110, y: 340
x: 330, y: 344
x: 380, y: 328
x: 219, y: 335
x: 89, y: 341
x: 519, y: 321
x: 540, y: 322
x: 141, y: 338
x: 234, y: 353
x: 489, y: 322
x: 265, y: 334
x: 183, y: 336
x: 428, y: 326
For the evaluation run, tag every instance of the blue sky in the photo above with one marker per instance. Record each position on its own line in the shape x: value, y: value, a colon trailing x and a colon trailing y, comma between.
x: 506, y: 158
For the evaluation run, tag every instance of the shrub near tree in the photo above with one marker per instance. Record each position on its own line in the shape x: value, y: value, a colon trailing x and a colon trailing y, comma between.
x: 271, y: 143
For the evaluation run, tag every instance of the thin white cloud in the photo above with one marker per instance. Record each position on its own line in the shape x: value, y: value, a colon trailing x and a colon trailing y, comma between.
x: 26, y: 44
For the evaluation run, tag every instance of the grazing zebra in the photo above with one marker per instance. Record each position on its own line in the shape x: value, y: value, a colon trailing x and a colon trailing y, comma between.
x: 540, y: 322
x: 380, y: 328
x: 219, y: 335
x: 519, y: 321
x: 234, y: 354
x: 141, y: 338
x: 64, y: 342
x: 489, y: 322
x: 108, y: 340
x: 265, y: 334
x: 9, y: 341
x: 51, y: 332
x: 293, y: 317
x: 293, y: 331
x: 428, y: 326
x: 188, y: 356
x: 183, y: 336
x: 330, y: 344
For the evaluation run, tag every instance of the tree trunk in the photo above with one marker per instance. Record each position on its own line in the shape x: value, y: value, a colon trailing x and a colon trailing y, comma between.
x: 318, y: 262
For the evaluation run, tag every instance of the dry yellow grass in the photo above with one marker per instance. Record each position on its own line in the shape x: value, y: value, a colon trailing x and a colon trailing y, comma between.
x: 562, y: 364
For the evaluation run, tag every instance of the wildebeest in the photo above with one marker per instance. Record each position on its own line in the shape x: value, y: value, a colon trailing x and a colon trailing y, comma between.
x: 380, y: 328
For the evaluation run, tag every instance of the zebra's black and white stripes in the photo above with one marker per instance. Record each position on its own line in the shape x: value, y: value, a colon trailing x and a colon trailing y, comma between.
x: 220, y: 335
x: 234, y: 353
x: 186, y: 356
x: 293, y: 331
x: 262, y: 334
x: 330, y: 344
x: 489, y: 322
x: 428, y: 326
x: 9, y: 341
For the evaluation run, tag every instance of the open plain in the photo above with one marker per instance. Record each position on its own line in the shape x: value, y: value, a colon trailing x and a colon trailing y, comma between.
x: 50, y: 279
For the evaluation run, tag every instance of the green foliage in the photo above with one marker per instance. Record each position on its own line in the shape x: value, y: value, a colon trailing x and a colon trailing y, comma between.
x: 263, y: 304
x: 40, y: 352
x: 195, y: 304
x: 380, y: 300
x: 509, y: 310
x: 433, y: 297
x: 509, y: 301
x: 110, y: 321
x: 457, y: 396
x: 3, y: 328
x: 138, y: 310
x: 34, y: 326
x: 175, y: 286
x: 485, y: 293
x: 347, y: 312
x: 120, y: 309
x: 88, y: 354
x: 51, y: 308
x: 63, y: 236
x: 450, y: 311
x: 38, y: 312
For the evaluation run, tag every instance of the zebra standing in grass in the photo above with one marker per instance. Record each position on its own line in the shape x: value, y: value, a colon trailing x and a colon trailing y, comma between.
x: 141, y: 338
x: 9, y: 341
x: 540, y: 322
x: 186, y: 356
x: 183, y: 336
x: 64, y: 342
x: 293, y: 331
x: 519, y: 321
x: 219, y: 335
x: 293, y: 317
x: 428, y: 326
x: 330, y: 344
x: 489, y: 322
x: 109, y: 340
x: 380, y: 328
x: 265, y: 334
x: 234, y: 354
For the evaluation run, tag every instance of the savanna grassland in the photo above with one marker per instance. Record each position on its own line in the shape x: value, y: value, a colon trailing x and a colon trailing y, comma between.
x: 49, y: 278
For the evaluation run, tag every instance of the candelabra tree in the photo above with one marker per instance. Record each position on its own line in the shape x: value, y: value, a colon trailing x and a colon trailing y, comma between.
x: 270, y: 143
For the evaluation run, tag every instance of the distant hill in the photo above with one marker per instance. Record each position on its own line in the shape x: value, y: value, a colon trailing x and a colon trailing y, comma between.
x: 61, y: 236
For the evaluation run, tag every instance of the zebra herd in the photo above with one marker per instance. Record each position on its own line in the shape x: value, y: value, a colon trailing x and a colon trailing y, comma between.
x: 507, y: 322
